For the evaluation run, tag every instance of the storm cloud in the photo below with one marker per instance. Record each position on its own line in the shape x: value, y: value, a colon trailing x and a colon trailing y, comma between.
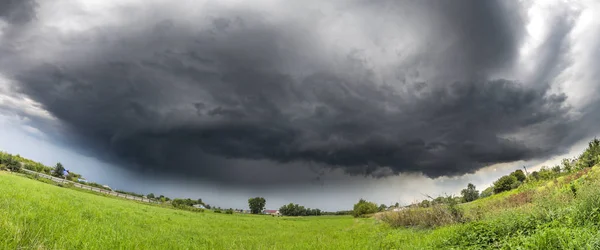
x: 371, y: 87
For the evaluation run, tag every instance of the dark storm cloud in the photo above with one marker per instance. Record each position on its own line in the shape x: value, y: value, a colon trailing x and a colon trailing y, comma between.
x: 17, y: 11
x: 180, y: 96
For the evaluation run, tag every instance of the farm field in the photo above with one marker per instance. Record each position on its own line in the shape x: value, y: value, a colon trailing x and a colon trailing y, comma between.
x: 36, y: 215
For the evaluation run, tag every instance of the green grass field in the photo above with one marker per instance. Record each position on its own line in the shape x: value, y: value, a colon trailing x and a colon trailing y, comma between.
x: 537, y: 215
x: 36, y: 215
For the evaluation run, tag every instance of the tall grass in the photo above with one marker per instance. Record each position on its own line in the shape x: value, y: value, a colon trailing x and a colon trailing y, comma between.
x: 558, y: 214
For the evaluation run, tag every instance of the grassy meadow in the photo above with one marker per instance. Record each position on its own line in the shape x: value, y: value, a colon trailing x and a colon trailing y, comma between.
x: 37, y: 215
x: 561, y: 213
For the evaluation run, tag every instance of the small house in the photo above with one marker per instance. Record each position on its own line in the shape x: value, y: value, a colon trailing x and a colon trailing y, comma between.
x: 199, y: 206
x: 271, y: 212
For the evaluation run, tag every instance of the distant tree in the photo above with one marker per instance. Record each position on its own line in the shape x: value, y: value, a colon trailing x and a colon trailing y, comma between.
x: 183, y: 202
x: 591, y: 155
x: 58, y: 170
x: 150, y: 196
x: 470, y: 193
x: 545, y: 173
x: 382, y: 208
x: 297, y: 210
x: 364, y: 207
x: 257, y: 204
x: 200, y: 202
x: 487, y: 192
x: 556, y: 169
x: 535, y: 175
x: 567, y: 165
x: 519, y: 175
x: 504, y: 183
x: 12, y: 164
x: 397, y: 204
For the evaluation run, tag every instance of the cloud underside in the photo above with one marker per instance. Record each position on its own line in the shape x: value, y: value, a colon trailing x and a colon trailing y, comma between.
x: 390, y: 87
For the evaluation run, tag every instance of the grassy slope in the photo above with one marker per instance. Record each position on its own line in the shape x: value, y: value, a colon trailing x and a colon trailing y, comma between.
x: 541, y: 215
x: 38, y: 215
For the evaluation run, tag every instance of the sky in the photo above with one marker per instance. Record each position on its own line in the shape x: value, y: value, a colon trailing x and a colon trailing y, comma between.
x: 319, y: 103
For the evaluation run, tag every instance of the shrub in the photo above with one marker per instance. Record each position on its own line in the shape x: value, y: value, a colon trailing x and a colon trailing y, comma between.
x: 229, y: 211
x: 487, y: 192
x: 519, y: 175
x: 431, y: 217
x: 297, y: 210
x: 505, y: 183
x: 363, y: 208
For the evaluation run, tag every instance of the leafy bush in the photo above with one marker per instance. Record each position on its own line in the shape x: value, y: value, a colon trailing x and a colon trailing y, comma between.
x: 363, y: 208
x: 129, y: 193
x: 297, y: 210
x: 487, y: 192
x: 431, y: 217
x: 505, y: 183
x: 229, y: 211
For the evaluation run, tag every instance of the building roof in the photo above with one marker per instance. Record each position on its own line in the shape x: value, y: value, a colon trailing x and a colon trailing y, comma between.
x: 271, y: 211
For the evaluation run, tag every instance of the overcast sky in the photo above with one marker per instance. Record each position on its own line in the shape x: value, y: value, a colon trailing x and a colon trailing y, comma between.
x: 313, y: 102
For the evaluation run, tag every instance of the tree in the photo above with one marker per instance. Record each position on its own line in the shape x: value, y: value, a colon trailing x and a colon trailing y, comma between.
x: 470, y: 193
x: 487, y: 192
x: 150, y: 196
x: 364, y: 207
x: 535, y: 175
x: 504, y: 183
x: 519, y: 175
x: 382, y: 208
x: 397, y: 204
x: 12, y: 164
x: 556, y: 169
x: 590, y: 156
x: 58, y: 170
x: 257, y: 204
x: 567, y: 165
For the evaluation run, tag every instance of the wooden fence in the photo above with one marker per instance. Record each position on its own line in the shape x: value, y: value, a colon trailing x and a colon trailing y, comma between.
x: 82, y: 186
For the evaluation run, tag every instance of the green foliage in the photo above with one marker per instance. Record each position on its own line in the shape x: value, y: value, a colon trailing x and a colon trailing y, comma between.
x: 229, y: 211
x: 382, y: 208
x: 426, y: 217
x: 535, y: 175
x: 150, y: 196
x: 519, y: 175
x: 257, y: 204
x: 58, y: 170
x: 590, y: 157
x: 97, y: 185
x: 363, y: 208
x: 10, y: 162
x: 487, y: 192
x: 183, y: 202
x: 546, y: 173
x: 470, y: 193
x: 297, y: 210
x: 505, y: 183
x: 129, y: 193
